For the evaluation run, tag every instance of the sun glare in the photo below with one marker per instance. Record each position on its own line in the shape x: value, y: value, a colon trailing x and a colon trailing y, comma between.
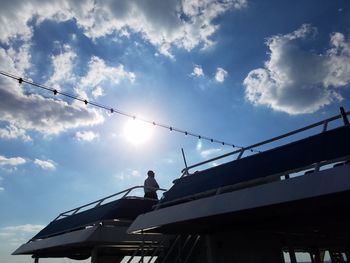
x: 137, y: 132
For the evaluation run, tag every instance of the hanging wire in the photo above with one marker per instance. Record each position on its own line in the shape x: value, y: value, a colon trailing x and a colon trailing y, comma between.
x: 116, y: 111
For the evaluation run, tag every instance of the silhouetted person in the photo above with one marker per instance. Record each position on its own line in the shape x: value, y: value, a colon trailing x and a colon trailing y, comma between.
x: 151, y: 186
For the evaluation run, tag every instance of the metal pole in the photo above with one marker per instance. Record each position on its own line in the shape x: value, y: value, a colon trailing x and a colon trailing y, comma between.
x: 240, y: 154
x: 184, y: 157
x: 325, y: 126
x: 143, y: 245
x: 209, y: 245
x: 344, y: 116
x: 94, y: 255
x: 292, y: 256
x: 172, y: 247
x: 192, y: 248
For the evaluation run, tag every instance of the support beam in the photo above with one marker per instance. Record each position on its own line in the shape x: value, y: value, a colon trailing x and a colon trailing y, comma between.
x: 94, y: 255
x: 209, y: 246
x: 344, y: 116
x: 292, y: 256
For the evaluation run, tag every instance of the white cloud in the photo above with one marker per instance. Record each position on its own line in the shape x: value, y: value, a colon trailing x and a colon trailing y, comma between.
x: 98, y: 72
x: 297, y: 81
x: 220, y: 75
x: 46, y: 165
x: 1, y: 187
x: 27, y: 228
x: 86, y: 136
x: 16, y: 15
x: 210, y: 152
x: 63, y: 66
x: 169, y: 160
x: 51, y: 116
x: 163, y: 23
x: 19, y: 234
x: 135, y: 173
x: 97, y: 92
x: 128, y: 174
x: 183, y: 24
x: 47, y: 116
x: 13, y: 132
x: 197, y: 71
x: 338, y: 64
x: 15, y: 59
x: 13, y: 161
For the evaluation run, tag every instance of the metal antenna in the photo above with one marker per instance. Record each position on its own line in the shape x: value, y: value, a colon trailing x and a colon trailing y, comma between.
x: 184, y: 157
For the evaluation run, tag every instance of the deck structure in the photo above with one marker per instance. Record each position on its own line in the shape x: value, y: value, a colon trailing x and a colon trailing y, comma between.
x: 264, y: 207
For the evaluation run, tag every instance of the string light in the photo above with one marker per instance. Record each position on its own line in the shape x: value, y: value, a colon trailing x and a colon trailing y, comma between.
x: 113, y: 110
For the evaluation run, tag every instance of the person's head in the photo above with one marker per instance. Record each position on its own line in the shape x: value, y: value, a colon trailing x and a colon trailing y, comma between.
x: 150, y: 173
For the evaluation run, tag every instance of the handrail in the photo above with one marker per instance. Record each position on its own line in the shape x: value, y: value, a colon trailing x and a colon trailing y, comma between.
x: 100, y: 201
x: 245, y: 184
x: 240, y: 151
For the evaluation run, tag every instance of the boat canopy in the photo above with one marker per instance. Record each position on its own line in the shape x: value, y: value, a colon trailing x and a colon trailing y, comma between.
x: 124, y: 209
x: 317, y: 149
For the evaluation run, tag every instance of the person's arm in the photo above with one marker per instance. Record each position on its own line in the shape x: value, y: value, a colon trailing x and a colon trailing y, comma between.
x: 154, y: 183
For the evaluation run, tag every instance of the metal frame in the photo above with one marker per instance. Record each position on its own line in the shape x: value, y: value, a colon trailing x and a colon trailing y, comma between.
x: 240, y: 152
x: 100, y: 201
x: 229, y: 188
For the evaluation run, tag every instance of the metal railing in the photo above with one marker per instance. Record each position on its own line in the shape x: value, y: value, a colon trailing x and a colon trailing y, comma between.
x: 99, y: 202
x: 240, y: 152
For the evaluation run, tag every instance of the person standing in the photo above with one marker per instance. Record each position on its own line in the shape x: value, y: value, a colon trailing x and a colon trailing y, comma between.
x: 151, y: 186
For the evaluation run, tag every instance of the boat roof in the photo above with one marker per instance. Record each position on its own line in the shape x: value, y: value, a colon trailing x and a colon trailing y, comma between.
x: 328, y: 146
x: 314, y: 200
x: 75, y: 232
x: 258, y: 184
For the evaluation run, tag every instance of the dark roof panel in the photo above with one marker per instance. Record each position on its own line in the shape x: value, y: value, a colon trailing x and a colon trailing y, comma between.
x: 325, y: 146
x: 128, y: 208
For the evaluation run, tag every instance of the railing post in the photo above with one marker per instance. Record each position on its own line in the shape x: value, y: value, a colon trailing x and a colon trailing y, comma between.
x: 325, y: 126
x: 192, y: 248
x: 292, y: 256
x: 344, y: 116
x: 126, y: 193
x: 209, y: 246
x: 94, y: 255
x: 142, y: 246
x: 240, y: 154
x: 155, y: 251
x: 76, y: 211
x: 172, y: 247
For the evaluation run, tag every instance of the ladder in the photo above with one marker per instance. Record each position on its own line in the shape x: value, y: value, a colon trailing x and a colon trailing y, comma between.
x: 170, y: 249
x: 180, y: 250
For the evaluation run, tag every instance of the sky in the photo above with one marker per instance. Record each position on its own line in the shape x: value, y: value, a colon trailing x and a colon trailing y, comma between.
x: 238, y: 71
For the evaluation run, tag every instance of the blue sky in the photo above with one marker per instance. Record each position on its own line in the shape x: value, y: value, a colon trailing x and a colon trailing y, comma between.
x: 239, y: 71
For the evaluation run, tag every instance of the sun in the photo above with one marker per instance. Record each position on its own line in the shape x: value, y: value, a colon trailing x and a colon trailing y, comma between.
x: 137, y: 132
